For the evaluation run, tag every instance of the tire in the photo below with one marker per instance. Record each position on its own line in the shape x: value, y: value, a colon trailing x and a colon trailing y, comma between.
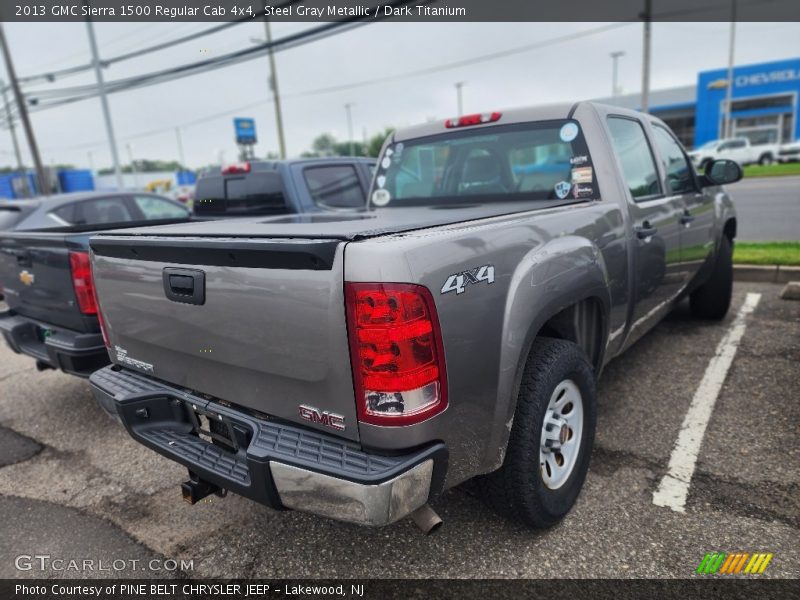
x: 712, y: 299
x: 524, y: 489
x: 765, y: 159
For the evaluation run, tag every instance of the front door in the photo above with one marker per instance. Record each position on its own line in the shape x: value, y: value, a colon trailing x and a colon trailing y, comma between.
x: 697, y: 218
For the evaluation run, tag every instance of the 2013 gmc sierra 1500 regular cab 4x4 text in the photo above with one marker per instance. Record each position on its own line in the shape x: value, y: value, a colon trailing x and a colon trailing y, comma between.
x: 357, y: 365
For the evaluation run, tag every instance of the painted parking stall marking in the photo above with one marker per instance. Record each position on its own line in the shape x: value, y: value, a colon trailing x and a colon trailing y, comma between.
x: 674, y: 487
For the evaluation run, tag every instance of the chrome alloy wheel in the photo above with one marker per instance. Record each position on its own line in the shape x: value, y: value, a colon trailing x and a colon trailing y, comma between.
x: 561, y: 434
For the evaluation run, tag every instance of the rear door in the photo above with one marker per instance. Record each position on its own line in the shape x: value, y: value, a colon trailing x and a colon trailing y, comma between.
x: 655, y: 215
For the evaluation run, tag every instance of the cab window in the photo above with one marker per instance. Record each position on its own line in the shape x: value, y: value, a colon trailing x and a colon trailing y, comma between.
x: 335, y: 186
x: 634, y: 154
x: 680, y: 177
x: 153, y: 207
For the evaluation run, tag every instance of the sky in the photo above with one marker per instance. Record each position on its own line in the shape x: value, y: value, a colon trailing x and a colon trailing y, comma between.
x: 560, y: 71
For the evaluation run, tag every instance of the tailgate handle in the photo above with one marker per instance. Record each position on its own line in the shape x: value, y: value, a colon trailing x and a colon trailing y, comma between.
x: 185, y: 285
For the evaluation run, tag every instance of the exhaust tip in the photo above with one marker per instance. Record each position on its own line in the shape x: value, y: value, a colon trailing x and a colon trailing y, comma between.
x: 426, y: 519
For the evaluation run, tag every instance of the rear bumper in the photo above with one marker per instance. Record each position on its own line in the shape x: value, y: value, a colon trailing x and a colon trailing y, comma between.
x: 76, y: 353
x: 274, y: 463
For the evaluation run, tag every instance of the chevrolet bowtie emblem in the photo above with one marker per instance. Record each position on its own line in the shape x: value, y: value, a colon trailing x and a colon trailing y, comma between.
x: 26, y: 278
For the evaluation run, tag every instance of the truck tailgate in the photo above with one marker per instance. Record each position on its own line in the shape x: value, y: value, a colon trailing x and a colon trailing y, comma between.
x: 35, y: 272
x: 269, y: 333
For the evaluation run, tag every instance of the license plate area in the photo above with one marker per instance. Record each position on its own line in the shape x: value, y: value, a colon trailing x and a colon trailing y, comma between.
x: 215, y: 429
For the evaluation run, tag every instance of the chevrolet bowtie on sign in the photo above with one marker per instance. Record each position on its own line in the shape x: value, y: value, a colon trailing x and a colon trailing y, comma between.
x: 27, y: 278
x: 733, y: 563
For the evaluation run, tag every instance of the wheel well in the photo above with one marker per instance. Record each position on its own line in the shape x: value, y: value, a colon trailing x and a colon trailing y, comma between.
x: 730, y: 229
x: 581, y: 323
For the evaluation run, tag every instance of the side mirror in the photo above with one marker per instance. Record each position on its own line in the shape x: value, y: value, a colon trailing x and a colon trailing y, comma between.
x: 722, y: 172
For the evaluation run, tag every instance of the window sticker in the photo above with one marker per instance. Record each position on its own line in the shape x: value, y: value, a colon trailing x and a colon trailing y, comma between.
x: 381, y: 180
x: 578, y: 160
x: 569, y: 131
x: 381, y: 197
x: 562, y: 189
x: 386, y: 162
x: 582, y: 191
x: 582, y: 175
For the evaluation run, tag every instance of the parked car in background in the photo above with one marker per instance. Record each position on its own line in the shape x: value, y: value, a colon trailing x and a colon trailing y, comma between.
x: 285, y: 186
x: 357, y: 364
x: 45, y: 274
x: 737, y: 149
x: 789, y: 152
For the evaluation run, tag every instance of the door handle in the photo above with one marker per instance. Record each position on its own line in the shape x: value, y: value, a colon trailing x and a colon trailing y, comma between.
x: 645, y: 231
x: 187, y: 286
x: 687, y: 218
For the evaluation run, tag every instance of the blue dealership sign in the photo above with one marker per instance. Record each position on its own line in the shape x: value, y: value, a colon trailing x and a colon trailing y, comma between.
x: 245, y: 130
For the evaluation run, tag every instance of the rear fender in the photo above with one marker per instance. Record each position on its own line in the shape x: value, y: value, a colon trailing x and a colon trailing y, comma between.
x: 551, y: 278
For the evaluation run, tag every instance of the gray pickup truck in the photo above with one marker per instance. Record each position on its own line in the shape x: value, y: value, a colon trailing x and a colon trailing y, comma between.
x: 355, y: 366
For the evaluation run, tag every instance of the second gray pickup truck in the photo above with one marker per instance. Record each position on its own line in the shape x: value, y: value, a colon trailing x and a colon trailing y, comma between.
x: 357, y: 365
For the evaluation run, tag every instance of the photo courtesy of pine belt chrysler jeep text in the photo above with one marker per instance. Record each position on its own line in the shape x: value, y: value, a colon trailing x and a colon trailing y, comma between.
x: 357, y: 365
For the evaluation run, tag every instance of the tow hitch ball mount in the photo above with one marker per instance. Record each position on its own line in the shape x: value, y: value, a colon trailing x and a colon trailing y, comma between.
x: 196, y: 489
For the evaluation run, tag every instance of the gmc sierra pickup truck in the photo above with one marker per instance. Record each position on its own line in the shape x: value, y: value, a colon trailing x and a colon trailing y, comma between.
x: 356, y: 365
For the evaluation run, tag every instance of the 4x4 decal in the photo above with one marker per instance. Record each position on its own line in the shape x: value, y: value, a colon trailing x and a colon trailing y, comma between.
x: 458, y: 282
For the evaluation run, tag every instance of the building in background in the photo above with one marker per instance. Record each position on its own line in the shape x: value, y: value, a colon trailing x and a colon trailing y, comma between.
x: 765, y: 104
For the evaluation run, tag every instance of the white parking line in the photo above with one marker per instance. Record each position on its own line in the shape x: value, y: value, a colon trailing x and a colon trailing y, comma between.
x: 674, y: 487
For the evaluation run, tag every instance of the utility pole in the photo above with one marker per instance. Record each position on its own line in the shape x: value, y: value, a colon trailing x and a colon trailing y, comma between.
x: 729, y: 89
x: 180, y: 147
x: 101, y: 86
x: 273, y: 84
x: 23, y: 116
x: 645, y: 103
x: 614, y: 72
x: 459, y: 85
x: 133, y: 166
x: 347, y: 108
x: 21, y: 171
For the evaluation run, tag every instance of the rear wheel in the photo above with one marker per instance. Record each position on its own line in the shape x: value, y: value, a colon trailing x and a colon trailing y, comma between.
x: 766, y: 159
x: 551, y: 439
x: 713, y: 298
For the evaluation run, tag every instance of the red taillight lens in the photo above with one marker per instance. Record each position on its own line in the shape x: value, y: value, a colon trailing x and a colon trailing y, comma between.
x: 83, y: 282
x: 476, y: 119
x: 233, y: 169
x: 396, y: 352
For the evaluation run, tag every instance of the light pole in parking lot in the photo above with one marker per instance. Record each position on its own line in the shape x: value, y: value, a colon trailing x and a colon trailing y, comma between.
x: 614, y: 59
x: 646, y: 16
x: 347, y: 108
x: 726, y: 132
x: 459, y: 85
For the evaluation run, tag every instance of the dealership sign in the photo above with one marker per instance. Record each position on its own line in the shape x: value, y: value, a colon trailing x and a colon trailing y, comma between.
x: 762, y: 78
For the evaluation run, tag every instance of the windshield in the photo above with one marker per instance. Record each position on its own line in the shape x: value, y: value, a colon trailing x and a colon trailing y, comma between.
x: 546, y: 160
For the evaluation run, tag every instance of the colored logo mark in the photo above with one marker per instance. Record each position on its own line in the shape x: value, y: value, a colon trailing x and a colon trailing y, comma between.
x: 725, y: 563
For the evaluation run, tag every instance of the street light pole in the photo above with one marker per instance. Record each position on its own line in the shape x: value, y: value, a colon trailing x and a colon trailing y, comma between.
x: 459, y: 85
x: 273, y: 84
x: 133, y: 166
x: 347, y: 108
x: 98, y: 71
x: 615, y: 58
x: 729, y: 89
x: 180, y: 147
x: 645, y: 103
x: 13, y: 131
x: 44, y: 188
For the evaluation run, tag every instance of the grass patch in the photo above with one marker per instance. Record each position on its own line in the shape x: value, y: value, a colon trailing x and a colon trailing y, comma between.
x: 776, y: 170
x: 766, y: 253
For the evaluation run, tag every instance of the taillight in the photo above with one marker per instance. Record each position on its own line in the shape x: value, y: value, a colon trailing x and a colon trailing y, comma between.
x: 83, y: 282
x: 396, y: 352
x: 243, y: 167
x: 476, y: 119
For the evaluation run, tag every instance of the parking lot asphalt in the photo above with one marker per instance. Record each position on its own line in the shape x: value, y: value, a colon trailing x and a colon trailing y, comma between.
x: 80, y: 488
x: 768, y: 208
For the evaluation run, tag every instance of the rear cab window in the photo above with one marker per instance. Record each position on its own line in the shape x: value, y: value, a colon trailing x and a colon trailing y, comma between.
x: 543, y: 160
x: 259, y: 192
x: 334, y: 186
